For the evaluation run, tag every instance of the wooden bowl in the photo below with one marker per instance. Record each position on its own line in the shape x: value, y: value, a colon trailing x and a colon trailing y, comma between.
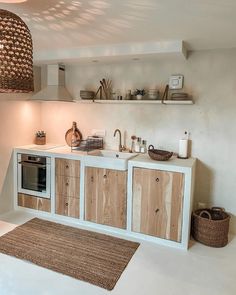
x: 158, y: 155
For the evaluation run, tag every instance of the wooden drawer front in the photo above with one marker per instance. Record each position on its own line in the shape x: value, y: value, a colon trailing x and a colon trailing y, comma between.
x: 68, y: 167
x: 157, y: 203
x: 105, y: 196
x: 68, y: 186
x: 67, y: 206
x: 32, y: 202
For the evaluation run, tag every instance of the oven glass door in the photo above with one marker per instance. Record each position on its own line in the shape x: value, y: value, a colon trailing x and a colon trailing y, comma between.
x: 34, y: 177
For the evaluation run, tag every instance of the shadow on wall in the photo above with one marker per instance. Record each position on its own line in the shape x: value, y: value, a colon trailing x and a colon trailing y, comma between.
x: 232, y: 224
x: 204, y: 185
x: 7, y: 192
x: 204, y: 190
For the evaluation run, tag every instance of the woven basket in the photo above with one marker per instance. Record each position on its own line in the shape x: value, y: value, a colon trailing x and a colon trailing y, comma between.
x: 16, y: 54
x: 211, y: 227
x: 158, y: 155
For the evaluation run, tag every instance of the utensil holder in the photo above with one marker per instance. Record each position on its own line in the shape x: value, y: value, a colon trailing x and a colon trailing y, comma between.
x: 40, y: 140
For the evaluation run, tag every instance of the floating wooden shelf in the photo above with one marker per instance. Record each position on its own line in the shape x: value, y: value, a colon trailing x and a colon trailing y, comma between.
x: 168, y: 102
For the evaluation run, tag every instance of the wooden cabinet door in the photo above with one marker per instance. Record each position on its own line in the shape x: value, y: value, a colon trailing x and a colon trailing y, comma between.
x: 67, y: 187
x: 105, y: 196
x: 33, y: 202
x: 157, y: 203
x: 67, y: 167
x: 67, y: 206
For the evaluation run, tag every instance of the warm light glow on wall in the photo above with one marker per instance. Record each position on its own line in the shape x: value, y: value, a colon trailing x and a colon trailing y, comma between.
x: 25, y: 109
x: 12, y: 1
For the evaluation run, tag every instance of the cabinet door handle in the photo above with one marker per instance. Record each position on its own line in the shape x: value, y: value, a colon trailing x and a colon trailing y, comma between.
x: 157, y: 179
x: 92, y: 178
x: 157, y: 210
x: 67, y: 183
x: 67, y: 166
x: 104, y: 176
x: 66, y: 204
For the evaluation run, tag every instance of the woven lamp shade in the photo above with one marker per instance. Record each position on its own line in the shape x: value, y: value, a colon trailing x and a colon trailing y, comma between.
x: 16, y: 54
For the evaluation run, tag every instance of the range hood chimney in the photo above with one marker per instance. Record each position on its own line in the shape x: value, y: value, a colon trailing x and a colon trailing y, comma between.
x: 55, y: 89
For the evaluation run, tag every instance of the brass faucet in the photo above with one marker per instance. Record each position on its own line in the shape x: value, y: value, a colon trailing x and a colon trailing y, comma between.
x: 121, y: 148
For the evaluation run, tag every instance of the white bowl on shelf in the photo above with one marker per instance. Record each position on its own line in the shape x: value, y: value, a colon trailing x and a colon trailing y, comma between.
x: 153, y: 94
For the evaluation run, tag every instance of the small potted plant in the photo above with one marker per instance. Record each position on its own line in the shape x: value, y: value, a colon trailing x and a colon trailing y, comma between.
x: 40, y: 138
x: 139, y: 93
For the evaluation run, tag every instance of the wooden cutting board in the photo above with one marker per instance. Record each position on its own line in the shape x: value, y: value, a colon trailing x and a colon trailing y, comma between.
x: 73, y: 136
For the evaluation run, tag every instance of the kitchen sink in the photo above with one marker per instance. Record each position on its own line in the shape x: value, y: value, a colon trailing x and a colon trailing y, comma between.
x: 112, y: 154
x: 109, y: 159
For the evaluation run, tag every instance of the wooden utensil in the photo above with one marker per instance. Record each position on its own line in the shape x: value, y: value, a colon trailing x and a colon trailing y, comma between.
x: 104, y: 83
x: 104, y: 88
x: 109, y: 84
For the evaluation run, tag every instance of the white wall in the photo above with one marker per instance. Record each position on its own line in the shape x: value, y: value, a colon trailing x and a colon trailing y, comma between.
x: 18, y: 123
x: 19, y: 119
x: 210, y: 76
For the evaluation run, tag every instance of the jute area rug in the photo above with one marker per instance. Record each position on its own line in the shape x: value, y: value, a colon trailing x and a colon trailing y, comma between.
x: 92, y: 257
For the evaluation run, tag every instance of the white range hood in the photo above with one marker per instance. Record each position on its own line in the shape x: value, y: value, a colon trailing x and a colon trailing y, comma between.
x: 55, y: 89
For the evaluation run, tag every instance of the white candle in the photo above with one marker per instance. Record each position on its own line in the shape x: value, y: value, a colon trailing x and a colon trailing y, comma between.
x: 183, y: 148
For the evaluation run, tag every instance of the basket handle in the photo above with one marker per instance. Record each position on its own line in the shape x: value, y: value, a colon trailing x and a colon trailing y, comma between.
x: 220, y: 209
x: 206, y: 212
x: 150, y: 147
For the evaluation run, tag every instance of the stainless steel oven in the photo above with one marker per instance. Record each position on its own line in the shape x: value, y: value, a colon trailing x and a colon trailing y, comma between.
x: 33, y: 175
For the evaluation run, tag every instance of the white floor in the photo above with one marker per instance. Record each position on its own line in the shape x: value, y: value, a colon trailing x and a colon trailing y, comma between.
x: 153, y: 270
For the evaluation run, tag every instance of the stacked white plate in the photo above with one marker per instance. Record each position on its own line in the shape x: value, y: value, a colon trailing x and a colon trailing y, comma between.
x: 86, y: 94
x: 153, y: 94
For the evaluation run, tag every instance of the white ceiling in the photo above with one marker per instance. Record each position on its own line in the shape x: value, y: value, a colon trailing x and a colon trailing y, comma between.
x: 60, y: 25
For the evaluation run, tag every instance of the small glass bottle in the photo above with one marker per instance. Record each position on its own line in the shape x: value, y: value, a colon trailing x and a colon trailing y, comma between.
x: 137, y: 145
x: 143, y: 147
x: 133, y: 138
x: 128, y: 95
x: 118, y: 94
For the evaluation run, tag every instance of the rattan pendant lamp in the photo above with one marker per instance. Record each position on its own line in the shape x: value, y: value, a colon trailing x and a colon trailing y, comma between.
x: 16, y: 54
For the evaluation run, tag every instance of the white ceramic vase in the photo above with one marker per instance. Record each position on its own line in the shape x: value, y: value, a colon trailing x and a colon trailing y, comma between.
x: 139, y: 96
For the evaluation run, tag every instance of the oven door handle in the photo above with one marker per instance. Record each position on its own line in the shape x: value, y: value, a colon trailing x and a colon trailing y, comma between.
x: 32, y: 164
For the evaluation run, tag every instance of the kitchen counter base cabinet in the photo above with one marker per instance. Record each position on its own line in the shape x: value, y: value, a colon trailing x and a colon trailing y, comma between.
x: 151, y: 201
x: 33, y: 202
x: 158, y: 203
x: 106, y: 196
x: 68, y: 187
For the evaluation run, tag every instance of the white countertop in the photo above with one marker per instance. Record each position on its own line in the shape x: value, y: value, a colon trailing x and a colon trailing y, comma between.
x: 51, y: 150
x: 174, y: 164
x: 142, y: 160
x: 38, y: 147
x: 173, y: 161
